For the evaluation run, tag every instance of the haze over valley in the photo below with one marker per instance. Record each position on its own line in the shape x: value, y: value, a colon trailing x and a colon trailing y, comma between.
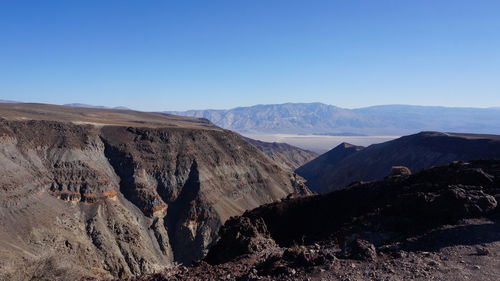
x: 316, y: 143
x: 320, y: 127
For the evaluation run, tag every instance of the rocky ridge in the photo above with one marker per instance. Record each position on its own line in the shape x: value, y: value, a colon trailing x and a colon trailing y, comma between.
x: 346, y: 164
x: 439, y: 224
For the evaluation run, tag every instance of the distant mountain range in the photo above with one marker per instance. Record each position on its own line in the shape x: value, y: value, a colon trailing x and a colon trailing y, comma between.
x: 347, y: 163
x: 323, y: 119
x: 7, y: 101
x: 83, y: 105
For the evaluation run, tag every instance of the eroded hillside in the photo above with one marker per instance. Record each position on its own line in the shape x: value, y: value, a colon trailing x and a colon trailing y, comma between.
x: 91, y: 192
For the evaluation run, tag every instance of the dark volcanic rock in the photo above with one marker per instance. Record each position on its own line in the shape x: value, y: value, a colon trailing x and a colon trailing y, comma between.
x: 433, y: 225
x: 360, y: 249
x: 411, y: 204
x: 241, y: 236
x: 299, y: 256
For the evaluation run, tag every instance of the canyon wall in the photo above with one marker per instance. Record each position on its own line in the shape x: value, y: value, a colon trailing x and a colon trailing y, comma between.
x: 104, y: 199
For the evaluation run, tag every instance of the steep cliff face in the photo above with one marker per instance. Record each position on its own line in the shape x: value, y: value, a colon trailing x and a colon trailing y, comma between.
x: 90, y: 192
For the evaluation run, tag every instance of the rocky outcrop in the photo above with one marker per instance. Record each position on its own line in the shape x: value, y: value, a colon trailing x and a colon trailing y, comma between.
x: 287, y: 156
x: 342, y: 166
x: 397, y: 171
x: 92, y: 192
x: 241, y: 235
x: 374, y: 212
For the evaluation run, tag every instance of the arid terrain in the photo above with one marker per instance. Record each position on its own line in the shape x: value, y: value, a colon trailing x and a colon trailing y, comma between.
x: 439, y: 224
x: 118, y: 193
x: 253, y: 140
x: 113, y: 194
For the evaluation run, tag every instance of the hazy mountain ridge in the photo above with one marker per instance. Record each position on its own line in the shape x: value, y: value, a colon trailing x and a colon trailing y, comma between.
x: 95, y: 106
x: 7, y: 101
x: 82, y: 105
x: 319, y: 118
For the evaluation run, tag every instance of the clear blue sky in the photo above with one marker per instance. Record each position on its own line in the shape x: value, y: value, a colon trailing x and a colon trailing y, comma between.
x: 175, y: 55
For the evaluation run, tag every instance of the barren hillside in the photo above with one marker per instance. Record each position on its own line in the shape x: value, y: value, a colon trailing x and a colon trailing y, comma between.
x: 106, y: 193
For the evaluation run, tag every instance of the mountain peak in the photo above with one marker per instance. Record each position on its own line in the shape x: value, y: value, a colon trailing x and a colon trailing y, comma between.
x: 346, y: 145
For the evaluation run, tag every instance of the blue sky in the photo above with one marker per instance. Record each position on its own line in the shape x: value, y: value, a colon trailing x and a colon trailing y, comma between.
x: 176, y: 55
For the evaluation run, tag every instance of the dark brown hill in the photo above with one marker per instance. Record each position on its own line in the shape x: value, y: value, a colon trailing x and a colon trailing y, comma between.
x: 95, y: 192
x: 328, y: 161
x: 416, y: 152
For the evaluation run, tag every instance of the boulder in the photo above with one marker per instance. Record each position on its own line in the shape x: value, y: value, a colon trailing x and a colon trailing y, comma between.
x: 360, y: 249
